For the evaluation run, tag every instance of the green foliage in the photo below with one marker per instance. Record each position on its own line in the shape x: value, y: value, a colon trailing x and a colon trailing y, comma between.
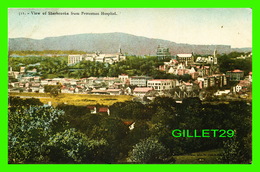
x: 15, y: 102
x: 29, y: 129
x: 235, y: 152
x: 149, y: 151
x: 228, y: 62
x: 114, y: 131
x: 130, y: 110
x: 73, y: 110
x: 54, y: 90
x: 71, y: 146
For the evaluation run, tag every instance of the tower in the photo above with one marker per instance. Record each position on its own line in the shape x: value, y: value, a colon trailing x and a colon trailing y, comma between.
x: 119, y: 50
x: 214, y: 68
x: 215, y: 59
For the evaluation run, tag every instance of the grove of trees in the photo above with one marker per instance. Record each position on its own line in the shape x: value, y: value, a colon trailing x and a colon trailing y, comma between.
x: 71, y: 134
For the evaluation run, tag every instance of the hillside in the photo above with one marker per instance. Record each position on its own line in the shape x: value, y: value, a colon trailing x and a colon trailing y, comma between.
x: 111, y: 42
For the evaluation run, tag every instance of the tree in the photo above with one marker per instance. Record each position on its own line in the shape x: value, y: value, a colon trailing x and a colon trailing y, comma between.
x: 234, y: 152
x: 28, y: 131
x: 149, y: 151
x: 54, y: 90
x: 71, y: 146
x: 15, y: 102
x: 128, y: 110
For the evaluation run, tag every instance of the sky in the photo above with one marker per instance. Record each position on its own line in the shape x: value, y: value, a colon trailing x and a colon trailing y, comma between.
x: 227, y: 26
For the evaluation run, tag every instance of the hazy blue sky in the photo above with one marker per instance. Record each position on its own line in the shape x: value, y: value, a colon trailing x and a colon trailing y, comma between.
x: 229, y: 26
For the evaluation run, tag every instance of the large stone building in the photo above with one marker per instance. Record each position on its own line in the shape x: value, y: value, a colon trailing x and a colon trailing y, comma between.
x: 235, y: 75
x: 162, y: 52
x: 187, y: 59
x: 97, y: 57
x: 73, y: 59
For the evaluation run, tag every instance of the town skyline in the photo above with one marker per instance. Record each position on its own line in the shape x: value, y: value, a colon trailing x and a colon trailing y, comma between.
x: 202, y: 26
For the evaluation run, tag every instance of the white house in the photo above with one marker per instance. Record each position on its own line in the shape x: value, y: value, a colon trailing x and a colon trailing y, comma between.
x: 141, y: 91
x: 161, y: 84
x: 72, y: 59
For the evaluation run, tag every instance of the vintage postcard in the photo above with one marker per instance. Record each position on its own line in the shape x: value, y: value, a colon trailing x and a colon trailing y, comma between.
x: 130, y: 86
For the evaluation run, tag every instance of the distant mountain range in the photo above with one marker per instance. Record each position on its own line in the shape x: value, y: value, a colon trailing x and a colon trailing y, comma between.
x: 111, y: 42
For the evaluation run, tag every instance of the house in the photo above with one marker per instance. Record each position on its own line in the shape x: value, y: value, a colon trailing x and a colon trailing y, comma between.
x: 100, y: 58
x: 90, y: 57
x: 128, y: 91
x: 141, y: 91
x: 73, y: 59
x: 250, y: 76
x: 168, y: 65
x: 161, y: 84
x: 188, y: 86
x: 140, y: 81
x: 93, y: 109
x: 13, y: 74
x: 22, y: 69
x: 99, y: 91
x: 104, y: 110
x: 130, y: 124
x: 243, y: 85
x: 37, y: 79
x: 187, y: 59
x: 118, y: 85
x: 14, y: 84
x: 110, y: 80
x: 123, y: 77
x: 162, y: 52
x: 107, y: 58
x: 114, y: 91
x: 32, y: 72
x: 44, y: 82
x: 235, y: 75
x: 217, y: 80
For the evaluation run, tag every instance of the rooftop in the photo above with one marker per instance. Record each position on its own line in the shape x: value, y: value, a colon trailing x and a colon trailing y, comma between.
x: 159, y: 80
x: 103, y: 109
x: 142, y: 89
x: 184, y: 55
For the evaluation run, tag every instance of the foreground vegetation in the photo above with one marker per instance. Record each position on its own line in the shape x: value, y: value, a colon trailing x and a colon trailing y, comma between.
x: 204, y: 157
x: 71, y: 134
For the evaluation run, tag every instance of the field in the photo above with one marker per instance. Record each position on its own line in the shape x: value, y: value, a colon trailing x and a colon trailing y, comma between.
x: 205, y: 157
x: 76, y: 99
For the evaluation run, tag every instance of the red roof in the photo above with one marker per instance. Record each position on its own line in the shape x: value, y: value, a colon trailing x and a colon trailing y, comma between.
x: 92, y: 78
x: 91, y: 107
x: 128, y: 122
x: 113, y: 90
x: 103, y: 109
x: 99, y: 91
x: 244, y: 83
x: 161, y: 80
x: 142, y: 89
x: 118, y: 84
x: 237, y: 70
x: 187, y: 83
x: 109, y: 78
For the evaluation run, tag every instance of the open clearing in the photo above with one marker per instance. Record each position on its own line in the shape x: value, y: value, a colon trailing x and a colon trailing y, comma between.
x: 76, y: 99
